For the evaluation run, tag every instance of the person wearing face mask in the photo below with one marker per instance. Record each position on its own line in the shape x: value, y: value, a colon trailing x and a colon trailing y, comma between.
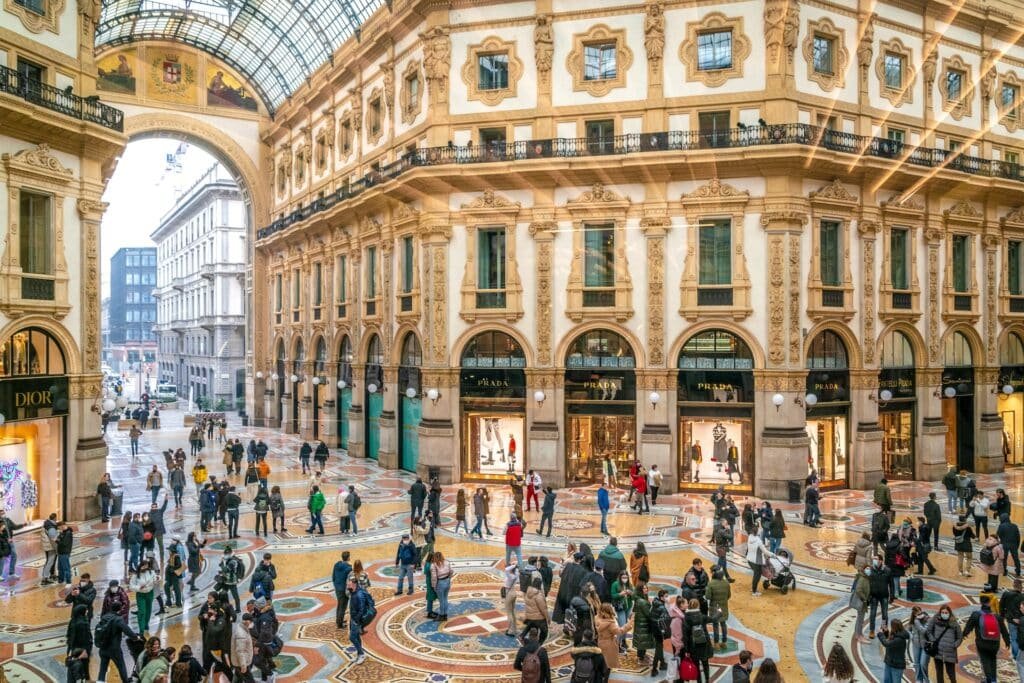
x: 860, y: 598
x: 879, y: 584
x: 923, y: 546
x: 144, y: 584
x: 942, y: 638
x: 918, y: 626
x: 962, y: 537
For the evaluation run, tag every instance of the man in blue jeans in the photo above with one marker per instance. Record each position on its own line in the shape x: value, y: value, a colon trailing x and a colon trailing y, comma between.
x: 65, y: 541
x: 7, y: 529
x: 405, y: 560
x: 358, y: 603
x: 603, y: 504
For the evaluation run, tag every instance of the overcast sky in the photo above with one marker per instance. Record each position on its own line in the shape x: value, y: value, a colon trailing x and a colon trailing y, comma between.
x: 143, y: 189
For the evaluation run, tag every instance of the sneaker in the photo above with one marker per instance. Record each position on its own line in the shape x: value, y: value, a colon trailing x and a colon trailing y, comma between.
x: 360, y: 659
x: 755, y: 594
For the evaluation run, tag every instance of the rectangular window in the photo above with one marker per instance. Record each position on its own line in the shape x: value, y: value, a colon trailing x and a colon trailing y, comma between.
x: 1013, y: 263
x: 601, y: 136
x: 30, y: 70
x: 961, y: 265
x: 376, y: 118
x: 36, y: 241
x: 830, y: 235
x: 896, y: 134
x: 955, y: 145
x: 371, y: 272
x: 899, y: 248
x: 492, y: 71
x: 599, y: 265
x: 599, y: 62
x: 296, y: 289
x: 346, y: 136
x: 954, y: 85
x: 36, y: 6
x: 1008, y: 97
x: 412, y: 89
x: 318, y: 285
x: 893, y: 69
x: 1011, y: 158
x: 340, y: 275
x: 823, y: 53
x: 714, y: 128
x: 715, y: 252
x: 492, y: 137
x: 714, y: 50
x: 408, y: 260
x: 827, y: 122
x: 490, y: 277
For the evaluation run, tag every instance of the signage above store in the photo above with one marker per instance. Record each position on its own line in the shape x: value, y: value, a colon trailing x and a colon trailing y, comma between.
x: 28, y: 398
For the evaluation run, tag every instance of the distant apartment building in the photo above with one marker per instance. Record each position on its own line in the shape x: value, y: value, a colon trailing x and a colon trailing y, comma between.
x: 199, y: 287
x: 132, y: 310
x: 105, y: 330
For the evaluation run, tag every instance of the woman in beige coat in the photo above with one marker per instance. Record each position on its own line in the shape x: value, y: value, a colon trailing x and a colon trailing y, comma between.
x: 536, y: 615
x: 608, y: 633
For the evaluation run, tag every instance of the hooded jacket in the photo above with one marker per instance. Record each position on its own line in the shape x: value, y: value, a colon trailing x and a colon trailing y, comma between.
x: 79, y: 634
x: 614, y: 562
x: 1008, y: 532
x: 594, y: 652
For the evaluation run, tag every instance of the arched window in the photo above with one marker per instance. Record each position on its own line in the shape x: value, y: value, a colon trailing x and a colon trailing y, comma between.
x: 1011, y: 352
x: 375, y: 352
x: 715, y: 350
x: 412, y: 354
x: 600, y: 349
x: 345, y: 350
x: 493, y: 349
x: 827, y: 352
x: 300, y: 355
x: 897, y: 351
x: 321, y: 356
x: 31, y: 351
x: 956, y: 353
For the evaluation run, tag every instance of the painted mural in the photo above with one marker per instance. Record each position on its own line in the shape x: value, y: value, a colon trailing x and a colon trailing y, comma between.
x: 116, y: 73
x: 224, y: 90
x: 172, y: 77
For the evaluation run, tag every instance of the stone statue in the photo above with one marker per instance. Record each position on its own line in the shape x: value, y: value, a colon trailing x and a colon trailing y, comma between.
x: 389, y: 85
x: 791, y: 31
x: 437, y: 56
x: 774, y: 21
x: 654, y: 32
x: 544, y: 43
x: 988, y: 78
x: 357, y: 108
x: 90, y: 10
x: 20, y: 361
x: 928, y: 66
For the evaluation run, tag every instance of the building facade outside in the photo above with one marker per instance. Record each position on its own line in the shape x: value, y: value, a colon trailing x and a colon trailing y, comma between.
x: 132, y: 311
x: 738, y: 241
x: 201, y: 253
x: 107, y: 356
x: 54, y: 144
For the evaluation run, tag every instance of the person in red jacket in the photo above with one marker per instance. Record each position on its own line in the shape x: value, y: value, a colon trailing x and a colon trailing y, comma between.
x: 639, y: 481
x: 633, y: 469
x: 514, y: 539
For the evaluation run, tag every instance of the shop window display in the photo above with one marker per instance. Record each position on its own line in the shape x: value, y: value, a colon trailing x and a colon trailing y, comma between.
x: 26, y: 449
x: 596, y: 437
x: 716, y: 451
x: 494, y: 441
x: 897, y: 443
x: 828, y: 450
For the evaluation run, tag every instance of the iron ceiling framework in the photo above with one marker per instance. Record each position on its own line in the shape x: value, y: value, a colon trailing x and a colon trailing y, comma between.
x: 276, y: 45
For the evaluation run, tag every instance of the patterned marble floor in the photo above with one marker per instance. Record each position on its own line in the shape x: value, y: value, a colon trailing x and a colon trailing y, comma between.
x: 796, y: 629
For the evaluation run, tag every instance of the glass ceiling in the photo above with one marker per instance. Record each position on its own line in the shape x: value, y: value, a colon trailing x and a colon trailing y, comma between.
x: 275, y: 44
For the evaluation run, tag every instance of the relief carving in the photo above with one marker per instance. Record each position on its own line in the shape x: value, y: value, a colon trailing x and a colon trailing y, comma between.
x: 868, y: 317
x: 656, y: 298
x: 781, y: 28
x: 544, y: 46
x: 991, y: 303
x: 596, y: 194
x: 489, y: 199
x: 714, y: 189
x: 776, y: 299
x: 962, y: 209
x: 357, y: 108
x: 835, y: 191
x: 439, y: 303
x: 544, y: 257
x: 865, y: 48
x: 795, y: 287
x: 654, y: 34
x: 934, y: 338
x: 437, y: 60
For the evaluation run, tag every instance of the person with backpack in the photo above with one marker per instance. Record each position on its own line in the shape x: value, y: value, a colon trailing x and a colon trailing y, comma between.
x: 361, y: 612
x: 661, y: 628
x: 579, y: 615
x: 879, y: 529
x: 883, y: 498
x: 261, y: 585
x: 215, y: 623
x: 265, y: 639
x: 988, y: 628
x: 277, y: 508
x: 895, y: 640
x: 107, y: 638
x: 261, y: 506
x: 263, y: 470
x: 173, y: 571
x: 339, y: 579
x: 251, y: 481
x: 962, y: 537
x: 231, y: 571
x: 354, y: 503
x: 992, y: 557
x: 696, y: 641
x: 942, y: 638
x: 589, y: 665
x: 417, y: 497
x: 949, y: 483
x: 532, y: 659
x: 191, y: 670
x: 614, y: 561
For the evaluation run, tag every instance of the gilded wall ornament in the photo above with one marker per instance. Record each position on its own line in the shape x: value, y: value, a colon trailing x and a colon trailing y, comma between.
x: 437, y: 60
x: 934, y: 338
x: 656, y: 298
x: 776, y: 299
x: 795, y: 288
x: 654, y: 33
x: 543, y: 46
x: 868, y: 293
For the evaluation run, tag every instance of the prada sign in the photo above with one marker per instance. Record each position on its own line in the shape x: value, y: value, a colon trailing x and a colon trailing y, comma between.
x: 24, y: 399
x: 600, y: 385
x: 830, y: 386
x: 716, y: 386
x: 492, y: 383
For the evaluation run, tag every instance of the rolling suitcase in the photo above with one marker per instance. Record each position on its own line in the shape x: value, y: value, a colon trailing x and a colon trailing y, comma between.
x: 915, y: 589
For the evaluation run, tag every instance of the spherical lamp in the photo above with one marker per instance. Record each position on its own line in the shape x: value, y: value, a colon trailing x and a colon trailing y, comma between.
x: 885, y: 395
x: 372, y: 388
x: 778, y: 400
x: 259, y: 374
x: 294, y: 378
x: 433, y: 394
x: 342, y: 384
x: 949, y: 392
x: 411, y: 392
x: 811, y: 400
x: 1007, y: 389
x: 109, y: 405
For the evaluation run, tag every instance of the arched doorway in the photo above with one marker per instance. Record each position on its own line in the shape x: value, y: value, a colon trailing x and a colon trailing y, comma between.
x: 296, y: 379
x: 958, y: 401
x: 828, y: 408
x: 716, y: 412
x: 33, y: 436
x: 1011, y: 397
x: 319, y: 377
x: 344, y: 380
x: 411, y: 411
x: 492, y: 397
x: 600, y: 404
x: 897, y: 406
x: 278, y: 379
x: 373, y: 397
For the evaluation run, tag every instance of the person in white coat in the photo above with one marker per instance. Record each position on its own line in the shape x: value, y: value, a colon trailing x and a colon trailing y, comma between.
x: 757, y: 556
x: 341, y: 508
x: 241, y: 646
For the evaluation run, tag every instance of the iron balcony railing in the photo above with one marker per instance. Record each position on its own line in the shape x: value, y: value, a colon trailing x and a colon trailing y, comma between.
x: 61, y: 101
x: 671, y: 141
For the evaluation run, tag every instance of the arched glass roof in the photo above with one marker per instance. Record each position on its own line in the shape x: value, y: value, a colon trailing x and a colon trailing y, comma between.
x: 275, y: 44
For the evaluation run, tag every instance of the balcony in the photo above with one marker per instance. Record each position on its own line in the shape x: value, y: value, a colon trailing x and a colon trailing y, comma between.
x: 902, y: 301
x: 48, y: 97
x: 210, y: 322
x: 639, y: 143
x: 832, y: 298
x: 211, y: 270
x: 178, y: 283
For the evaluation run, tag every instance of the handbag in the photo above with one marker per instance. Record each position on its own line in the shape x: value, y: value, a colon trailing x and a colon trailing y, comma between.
x: 687, y: 669
x: 644, y: 574
x: 504, y: 592
x: 851, y: 557
x: 931, y: 648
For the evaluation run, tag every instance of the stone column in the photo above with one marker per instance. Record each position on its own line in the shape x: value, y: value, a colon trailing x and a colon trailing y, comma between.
x: 329, y: 431
x: 286, y: 410
x: 544, y: 451
x: 356, y: 431
x: 865, y: 470
x: 654, y: 444
x: 306, y: 401
x: 440, y: 448
x: 988, y: 447
x: 387, y: 456
x: 269, y: 413
x: 930, y: 450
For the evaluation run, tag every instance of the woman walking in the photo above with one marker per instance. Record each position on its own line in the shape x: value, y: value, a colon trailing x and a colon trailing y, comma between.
x: 894, y: 639
x: 442, y: 573
x: 195, y: 559
x: 277, y: 508
x: 918, y: 626
x: 173, y: 570
x: 460, y: 512
x: 643, y: 631
x: 509, y: 594
x: 757, y: 555
x: 639, y: 565
x: 536, y: 615
x: 945, y: 632
x: 776, y: 532
x: 144, y: 583
x: 252, y: 481
x: 962, y: 537
x: 696, y: 640
x: 609, y: 634
x: 622, y: 602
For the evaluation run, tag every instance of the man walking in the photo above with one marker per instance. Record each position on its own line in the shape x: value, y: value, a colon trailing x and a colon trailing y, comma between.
x: 7, y: 529
x: 533, y: 485
x: 989, y: 629
x: 949, y: 483
x: 654, y: 479
x: 231, y: 572
x: 812, y: 512
x: 547, y: 510
x: 154, y: 482
x: 339, y: 578
x: 1009, y: 536
x: 231, y: 503
x: 883, y: 499
x: 177, y: 481
x: 133, y: 435
x: 405, y: 559
x: 933, y: 515
x: 514, y: 539
x: 316, y: 508
x: 603, y: 504
x: 417, y: 497
x: 360, y: 609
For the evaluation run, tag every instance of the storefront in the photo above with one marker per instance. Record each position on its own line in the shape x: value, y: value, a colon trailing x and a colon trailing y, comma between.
x: 827, y: 404
x: 957, y: 393
x: 1011, y: 398
x: 492, y: 397
x: 600, y: 405
x: 34, y: 408
x: 715, y: 400
x: 319, y: 381
x: 373, y: 396
x: 897, y: 407
x: 344, y: 380
x: 410, y: 388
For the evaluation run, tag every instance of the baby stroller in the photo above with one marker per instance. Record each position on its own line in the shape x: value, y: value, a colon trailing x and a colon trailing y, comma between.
x: 776, y: 572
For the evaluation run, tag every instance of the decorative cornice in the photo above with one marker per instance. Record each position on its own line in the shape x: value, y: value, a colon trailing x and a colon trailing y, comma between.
x: 40, y: 161
x: 1015, y: 216
x: 89, y: 209
x: 599, y: 194
x: 489, y: 199
x: 716, y: 189
x: 834, y: 191
x: 962, y: 209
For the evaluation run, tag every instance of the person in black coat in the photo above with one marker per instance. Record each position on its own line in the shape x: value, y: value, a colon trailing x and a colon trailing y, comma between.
x: 111, y: 651
x: 77, y: 664
x: 305, y: 451
x: 531, y: 644
x: 417, y: 496
x: 435, y: 500
x: 1009, y: 535
x: 196, y: 672
x: 988, y: 650
x: 573, y: 574
x: 588, y: 649
x: 879, y: 584
x: 84, y: 593
x: 79, y: 635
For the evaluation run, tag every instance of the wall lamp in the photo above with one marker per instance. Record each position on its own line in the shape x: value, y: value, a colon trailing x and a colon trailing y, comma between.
x: 410, y: 392
x: 884, y: 396
x: 948, y: 392
x: 1004, y: 391
x: 294, y: 378
x: 259, y: 374
x: 654, y: 398
x: 777, y: 401
x: 275, y: 377
x: 343, y: 384
x: 372, y: 388
x: 539, y: 396
x: 434, y: 395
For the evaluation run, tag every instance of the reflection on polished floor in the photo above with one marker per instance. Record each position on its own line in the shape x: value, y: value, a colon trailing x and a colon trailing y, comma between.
x: 795, y: 629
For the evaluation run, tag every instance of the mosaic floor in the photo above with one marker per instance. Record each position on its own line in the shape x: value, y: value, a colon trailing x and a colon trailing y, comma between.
x: 795, y: 629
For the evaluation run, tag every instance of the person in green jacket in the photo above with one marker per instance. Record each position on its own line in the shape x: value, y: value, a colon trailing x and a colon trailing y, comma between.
x: 643, y: 634
x: 883, y: 498
x: 622, y: 600
x: 431, y: 595
x: 316, y: 508
x: 717, y: 594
